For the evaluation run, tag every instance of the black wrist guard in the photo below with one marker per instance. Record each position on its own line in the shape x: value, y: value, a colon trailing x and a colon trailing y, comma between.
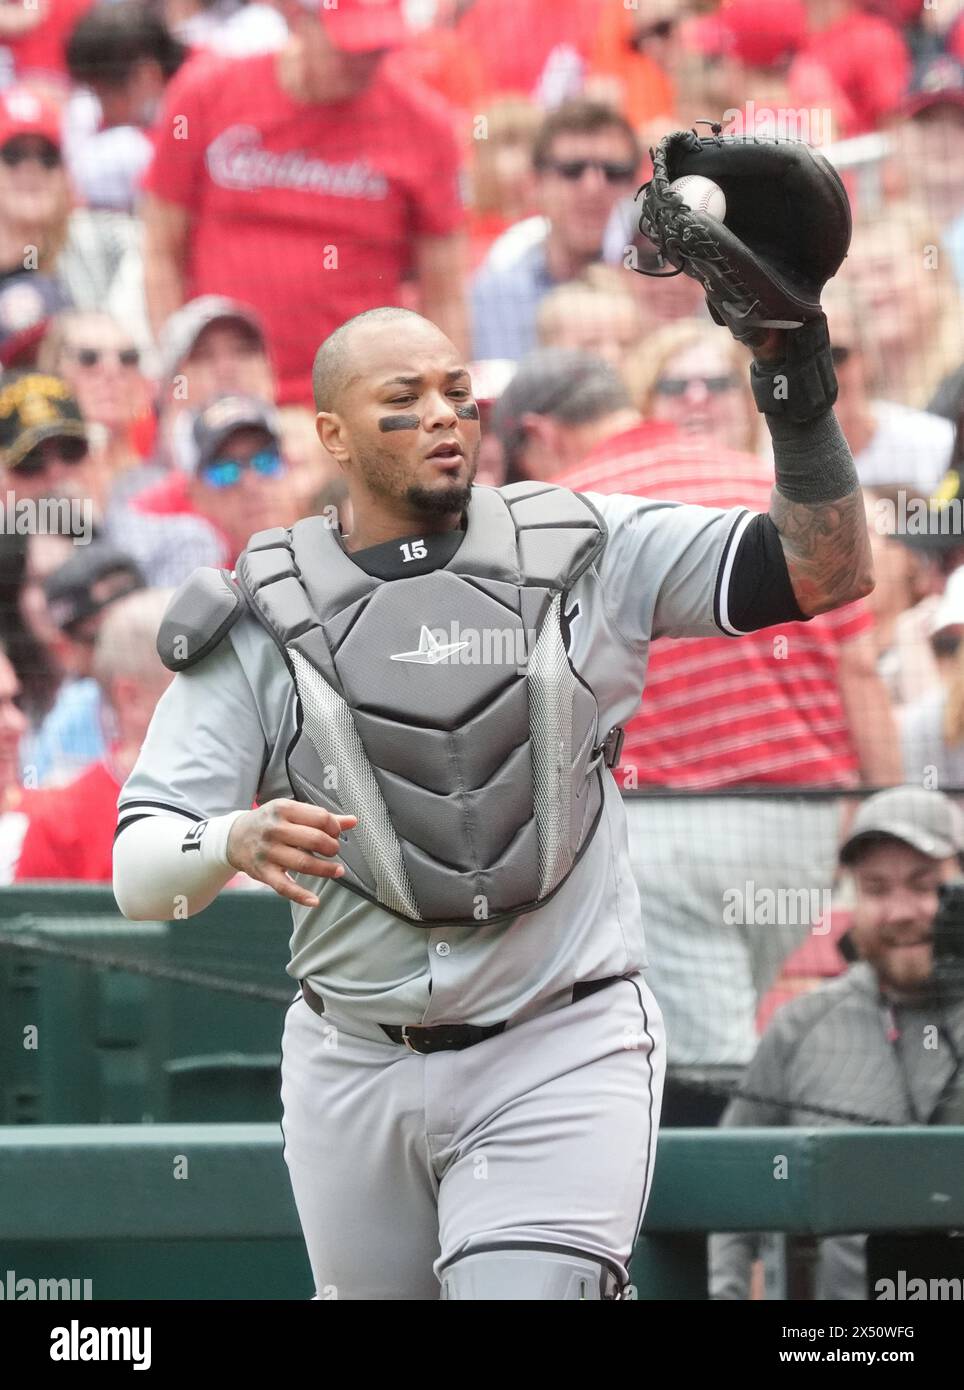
x: 803, y: 385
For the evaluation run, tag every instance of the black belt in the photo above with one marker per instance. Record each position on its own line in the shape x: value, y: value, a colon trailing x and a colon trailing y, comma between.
x: 449, y: 1037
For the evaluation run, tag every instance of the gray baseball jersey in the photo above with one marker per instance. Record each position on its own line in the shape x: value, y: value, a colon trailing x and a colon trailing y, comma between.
x: 412, y: 1173
x: 218, y: 739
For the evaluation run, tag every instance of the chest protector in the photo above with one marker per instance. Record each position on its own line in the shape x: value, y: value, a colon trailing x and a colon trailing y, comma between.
x: 441, y: 709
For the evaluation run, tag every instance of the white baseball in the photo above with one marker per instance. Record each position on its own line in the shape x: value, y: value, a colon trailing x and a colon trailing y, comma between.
x: 701, y: 195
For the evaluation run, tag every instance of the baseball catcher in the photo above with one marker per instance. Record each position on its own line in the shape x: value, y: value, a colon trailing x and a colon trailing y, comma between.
x: 424, y: 709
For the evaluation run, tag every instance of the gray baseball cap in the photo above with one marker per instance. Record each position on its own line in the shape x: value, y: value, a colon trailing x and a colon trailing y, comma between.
x: 182, y: 330
x: 564, y: 384
x: 928, y: 821
x: 213, y: 425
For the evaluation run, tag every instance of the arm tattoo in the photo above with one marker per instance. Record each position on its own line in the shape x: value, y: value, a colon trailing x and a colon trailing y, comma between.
x: 827, y: 548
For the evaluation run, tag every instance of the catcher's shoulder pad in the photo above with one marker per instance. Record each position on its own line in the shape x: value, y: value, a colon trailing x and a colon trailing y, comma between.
x: 200, y: 613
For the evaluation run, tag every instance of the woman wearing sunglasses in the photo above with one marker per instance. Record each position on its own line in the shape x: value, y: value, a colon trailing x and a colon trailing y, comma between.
x: 98, y: 359
x: 688, y: 375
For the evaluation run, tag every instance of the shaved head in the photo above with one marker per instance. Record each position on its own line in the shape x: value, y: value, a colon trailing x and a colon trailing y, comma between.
x: 336, y: 365
x: 396, y: 412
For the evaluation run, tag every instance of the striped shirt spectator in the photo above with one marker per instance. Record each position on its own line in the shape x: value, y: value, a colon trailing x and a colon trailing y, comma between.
x: 719, y: 713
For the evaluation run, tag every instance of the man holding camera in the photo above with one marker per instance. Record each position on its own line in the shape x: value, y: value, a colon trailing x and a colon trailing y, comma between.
x: 883, y: 1043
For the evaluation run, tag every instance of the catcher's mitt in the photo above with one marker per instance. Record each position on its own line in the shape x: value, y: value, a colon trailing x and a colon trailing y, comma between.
x: 786, y: 232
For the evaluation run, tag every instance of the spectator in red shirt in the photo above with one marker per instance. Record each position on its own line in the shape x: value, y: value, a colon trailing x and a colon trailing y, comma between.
x: 71, y: 829
x: 855, y: 63
x: 529, y: 48
x: 308, y: 182
x: 35, y: 194
x: 798, y: 705
x: 34, y: 36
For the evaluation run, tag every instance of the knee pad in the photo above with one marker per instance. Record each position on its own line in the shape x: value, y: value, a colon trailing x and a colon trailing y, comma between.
x: 534, y: 1273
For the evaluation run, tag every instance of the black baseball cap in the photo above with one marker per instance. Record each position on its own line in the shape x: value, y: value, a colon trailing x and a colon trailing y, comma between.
x: 35, y: 407
x: 97, y: 576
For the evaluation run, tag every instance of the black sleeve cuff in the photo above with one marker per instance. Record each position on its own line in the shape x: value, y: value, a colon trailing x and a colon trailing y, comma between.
x: 759, y: 592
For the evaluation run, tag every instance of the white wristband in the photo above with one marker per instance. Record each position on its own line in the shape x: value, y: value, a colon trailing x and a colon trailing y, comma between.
x: 214, y: 840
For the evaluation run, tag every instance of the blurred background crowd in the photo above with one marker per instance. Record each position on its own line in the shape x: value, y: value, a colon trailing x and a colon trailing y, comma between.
x: 193, y: 193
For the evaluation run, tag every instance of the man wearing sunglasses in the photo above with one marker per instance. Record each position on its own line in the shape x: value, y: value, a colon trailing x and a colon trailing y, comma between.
x: 34, y: 193
x: 237, y: 478
x: 29, y: 130
x: 585, y: 159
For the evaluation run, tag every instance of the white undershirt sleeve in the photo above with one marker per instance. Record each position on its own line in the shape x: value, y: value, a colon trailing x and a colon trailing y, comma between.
x: 170, y: 866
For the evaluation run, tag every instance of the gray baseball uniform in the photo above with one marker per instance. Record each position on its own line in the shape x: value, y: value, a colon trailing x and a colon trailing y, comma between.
x: 540, y: 1136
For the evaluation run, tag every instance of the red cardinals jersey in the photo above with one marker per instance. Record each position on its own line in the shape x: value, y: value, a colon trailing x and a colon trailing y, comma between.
x: 307, y: 212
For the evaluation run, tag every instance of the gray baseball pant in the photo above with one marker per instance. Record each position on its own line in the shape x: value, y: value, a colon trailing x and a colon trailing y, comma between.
x: 544, y: 1134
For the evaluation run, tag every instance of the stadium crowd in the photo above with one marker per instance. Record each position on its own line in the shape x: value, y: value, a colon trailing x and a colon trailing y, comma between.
x: 193, y: 193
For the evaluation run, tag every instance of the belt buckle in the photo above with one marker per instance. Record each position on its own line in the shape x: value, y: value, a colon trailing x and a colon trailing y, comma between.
x: 407, y: 1040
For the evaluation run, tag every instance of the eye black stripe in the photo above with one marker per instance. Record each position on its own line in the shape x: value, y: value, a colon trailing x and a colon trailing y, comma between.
x: 398, y: 422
